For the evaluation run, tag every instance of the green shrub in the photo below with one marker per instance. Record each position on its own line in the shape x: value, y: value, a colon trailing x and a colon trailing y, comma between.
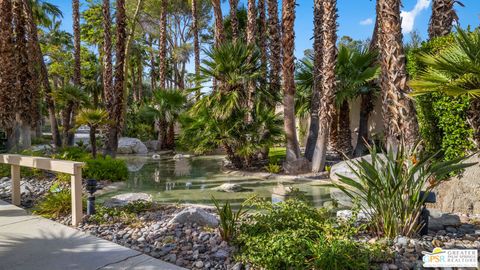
x: 126, y: 214
x: 389, y: 187
x: 106, y: 169
x: 273, y: 168
x: 55, y: 204
x: 229, y: 219
x: 442, y: 119
x: 72, y: 153
x: 295, y: 235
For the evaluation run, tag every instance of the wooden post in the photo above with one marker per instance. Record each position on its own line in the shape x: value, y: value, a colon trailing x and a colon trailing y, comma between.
x: 76, y: 187
x: 16, y: 195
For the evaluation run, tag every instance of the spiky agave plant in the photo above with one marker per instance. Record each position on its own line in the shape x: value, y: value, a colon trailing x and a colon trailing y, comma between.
x: 389, y: 187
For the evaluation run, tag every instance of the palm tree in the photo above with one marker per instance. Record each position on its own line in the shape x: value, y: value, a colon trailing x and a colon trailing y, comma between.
x: 7, y: 71
x: 454, y: 71
x: 26, y: 88
x: 327, y: 101
x: 355, y: 70
x: 275, y: 48
x: 399, y: 117
x: 288, y: 40
x: 196, y: 43
x: 251, y: 22
x: 76, y: 42
x: 167, y: 105
x: 262, y: 40
x: 67, y: 98
x: 162, y: 70
x: 107, y: 70
x: 443, y: 15
x: 117, y: 107
x: 234, y: 19
x: 217, y: 12
x: 316, y: 80
x: 367, y: 98
x: 38, y: 12
x: 94, y: 119
x: 218, y: 118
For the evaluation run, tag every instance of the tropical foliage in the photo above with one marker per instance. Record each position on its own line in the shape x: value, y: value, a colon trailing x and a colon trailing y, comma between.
x: 221, y: 118
x: 392, y: 187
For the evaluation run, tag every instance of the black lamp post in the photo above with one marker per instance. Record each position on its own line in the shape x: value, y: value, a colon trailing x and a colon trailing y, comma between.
x: 91, y: 188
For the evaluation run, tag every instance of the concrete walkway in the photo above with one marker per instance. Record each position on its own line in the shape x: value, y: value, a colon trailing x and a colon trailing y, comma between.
x: 32, y: 242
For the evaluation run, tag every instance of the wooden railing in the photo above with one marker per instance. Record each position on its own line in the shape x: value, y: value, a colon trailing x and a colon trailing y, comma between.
x: 48, y: 164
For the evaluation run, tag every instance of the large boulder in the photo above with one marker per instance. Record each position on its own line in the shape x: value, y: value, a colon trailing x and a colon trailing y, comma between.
x: 152, y: 145
x: 131, y: 146
x: 126, y: 198
x: 461, y: 193
x: 196, y: 215
x: 343, y: 168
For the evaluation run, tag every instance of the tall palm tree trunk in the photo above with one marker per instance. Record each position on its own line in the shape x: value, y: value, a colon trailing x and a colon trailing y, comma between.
x: 196, y: 45
x: 76, y: 68
x: 217, y: 12
x: 262, y: 41
x: 234, y: 18
x: 317, y: 80
x: 7, y: 71
x: 399, y: 115
x: 327, y: 100
x: 76, y: 43
x: 251, y: 30
x: 443, y: 15
x: 121, y: 35
x: 275, y: 48
x: 162, y: 69
x: 344, y: 131
x: 288, y: 42
x: 26, y: 103
x: 109, y: 93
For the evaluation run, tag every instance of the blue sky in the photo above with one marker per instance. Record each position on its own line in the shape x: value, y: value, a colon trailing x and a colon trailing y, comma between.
x: 356, y: 18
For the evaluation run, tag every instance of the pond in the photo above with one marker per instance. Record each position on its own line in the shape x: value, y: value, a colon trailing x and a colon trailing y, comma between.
x: 191, y: 180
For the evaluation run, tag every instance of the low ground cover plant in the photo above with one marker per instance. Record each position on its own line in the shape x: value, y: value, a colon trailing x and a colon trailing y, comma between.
x: 295, y: 235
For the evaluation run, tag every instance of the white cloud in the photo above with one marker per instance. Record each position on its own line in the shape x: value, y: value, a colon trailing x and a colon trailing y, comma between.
x: 408, y: 17
x: 367, y: 21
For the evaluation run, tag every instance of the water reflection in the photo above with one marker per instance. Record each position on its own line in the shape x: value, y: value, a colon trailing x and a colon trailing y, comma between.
x: 191, y: 181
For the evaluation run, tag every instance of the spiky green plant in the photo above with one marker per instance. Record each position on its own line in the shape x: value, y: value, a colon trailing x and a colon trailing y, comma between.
x: 389, y: 187
x: 229, y: 219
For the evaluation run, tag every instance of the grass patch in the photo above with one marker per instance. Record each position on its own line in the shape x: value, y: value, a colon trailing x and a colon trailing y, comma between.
x: 277, y: 154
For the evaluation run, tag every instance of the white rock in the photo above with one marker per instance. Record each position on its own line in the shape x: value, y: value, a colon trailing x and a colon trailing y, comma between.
x: 126, y: 198
x: 195, y: 215
x: 181, y: 156
x: 227, y: 187
x: 131, y: 146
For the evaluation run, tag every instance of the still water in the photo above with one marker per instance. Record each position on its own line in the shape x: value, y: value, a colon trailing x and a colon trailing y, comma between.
x: 191, y: 180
